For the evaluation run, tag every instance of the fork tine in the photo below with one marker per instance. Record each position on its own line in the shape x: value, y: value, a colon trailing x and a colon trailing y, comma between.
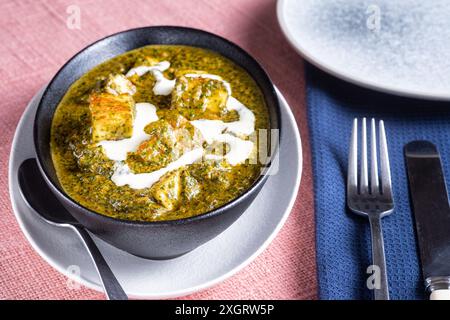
x: 386, y: 184
x: 352, y: 175
x: 364, y: 178
x: 374, y: 188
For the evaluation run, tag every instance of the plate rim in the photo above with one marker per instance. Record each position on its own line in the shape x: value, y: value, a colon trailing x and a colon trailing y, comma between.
x: 177, y: 293
x: 328, y: 67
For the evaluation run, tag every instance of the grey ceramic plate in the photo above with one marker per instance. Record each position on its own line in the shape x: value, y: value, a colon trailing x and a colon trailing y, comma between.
x: 206, y: 266
x: 400, y: 47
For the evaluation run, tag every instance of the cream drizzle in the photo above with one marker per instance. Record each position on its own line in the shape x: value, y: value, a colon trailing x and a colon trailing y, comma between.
x: 163, y: 86
x: 123, y: 175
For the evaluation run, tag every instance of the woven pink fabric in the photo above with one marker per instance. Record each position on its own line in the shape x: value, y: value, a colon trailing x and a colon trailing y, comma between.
x: 35, y: 42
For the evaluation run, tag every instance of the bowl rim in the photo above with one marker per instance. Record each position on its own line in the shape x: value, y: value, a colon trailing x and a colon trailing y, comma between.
x: 208, y: 214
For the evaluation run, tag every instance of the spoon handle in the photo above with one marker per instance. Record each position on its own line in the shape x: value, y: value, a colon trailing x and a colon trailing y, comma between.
x: 113, y: 289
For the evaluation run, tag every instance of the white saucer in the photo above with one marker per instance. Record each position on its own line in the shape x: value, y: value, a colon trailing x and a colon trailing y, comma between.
x: 399, y: 47
x: 203, y: 267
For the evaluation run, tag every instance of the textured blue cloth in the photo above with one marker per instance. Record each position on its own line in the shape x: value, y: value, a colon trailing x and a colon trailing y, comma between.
x: 343, y: 239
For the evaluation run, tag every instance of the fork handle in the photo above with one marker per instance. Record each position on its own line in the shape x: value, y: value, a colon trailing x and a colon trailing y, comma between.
x: 378, y: 258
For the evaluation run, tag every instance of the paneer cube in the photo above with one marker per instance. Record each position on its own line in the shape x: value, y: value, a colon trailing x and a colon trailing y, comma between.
x: 190, y: 186
x: 157, y: 151
x: 111, y: 116
x: 167, y: 190
x: 170, y: 137
x: 199, y: 95
x: 217, y: 172
x: 119, y: 84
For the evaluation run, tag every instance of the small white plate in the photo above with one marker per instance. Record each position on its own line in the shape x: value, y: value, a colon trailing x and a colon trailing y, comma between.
x: 204, y: 267
x: 399, y: 47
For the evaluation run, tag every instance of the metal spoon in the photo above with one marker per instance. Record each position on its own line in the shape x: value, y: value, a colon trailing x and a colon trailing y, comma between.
x: 39, y: 196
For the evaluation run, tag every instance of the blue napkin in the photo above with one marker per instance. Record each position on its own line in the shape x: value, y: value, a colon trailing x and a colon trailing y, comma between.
x: 343, y: 239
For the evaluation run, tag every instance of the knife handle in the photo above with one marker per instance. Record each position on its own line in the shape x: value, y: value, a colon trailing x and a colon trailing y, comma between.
x: 439, y: 287
x: 440, y: 294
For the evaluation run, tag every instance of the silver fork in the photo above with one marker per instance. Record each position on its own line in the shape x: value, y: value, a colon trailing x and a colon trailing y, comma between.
x: 373, y: 201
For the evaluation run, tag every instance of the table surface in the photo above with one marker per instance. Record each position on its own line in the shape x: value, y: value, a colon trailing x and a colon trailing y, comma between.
x: 38, y: 37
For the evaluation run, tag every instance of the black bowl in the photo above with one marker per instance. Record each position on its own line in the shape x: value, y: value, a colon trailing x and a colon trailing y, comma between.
x: 157, y: 240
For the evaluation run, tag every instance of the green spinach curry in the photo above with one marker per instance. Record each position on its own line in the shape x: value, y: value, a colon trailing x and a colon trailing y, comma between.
x: 158, y: 133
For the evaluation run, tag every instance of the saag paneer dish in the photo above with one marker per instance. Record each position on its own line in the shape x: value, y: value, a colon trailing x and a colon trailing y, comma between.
x: 158, y: 133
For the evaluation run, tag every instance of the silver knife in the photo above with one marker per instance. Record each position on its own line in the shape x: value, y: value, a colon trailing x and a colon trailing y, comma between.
x: 432, y: 215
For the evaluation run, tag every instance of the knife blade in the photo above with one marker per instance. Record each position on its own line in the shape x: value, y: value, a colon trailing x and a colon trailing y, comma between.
x: 431, y: 208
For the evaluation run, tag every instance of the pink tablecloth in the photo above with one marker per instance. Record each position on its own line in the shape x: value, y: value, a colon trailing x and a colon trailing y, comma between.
x: 35, y: 42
